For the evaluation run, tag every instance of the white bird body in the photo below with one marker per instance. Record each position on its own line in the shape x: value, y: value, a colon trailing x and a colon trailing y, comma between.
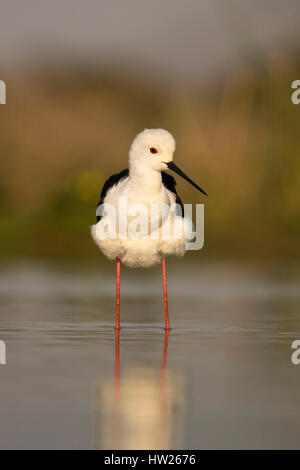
x: 144, y: 186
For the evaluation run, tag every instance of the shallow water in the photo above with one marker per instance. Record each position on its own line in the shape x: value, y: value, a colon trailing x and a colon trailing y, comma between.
x: 223, y: 378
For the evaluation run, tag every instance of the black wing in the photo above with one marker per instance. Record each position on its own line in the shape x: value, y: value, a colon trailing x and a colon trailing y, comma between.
x: 112, y: 181
x: 170, y: 183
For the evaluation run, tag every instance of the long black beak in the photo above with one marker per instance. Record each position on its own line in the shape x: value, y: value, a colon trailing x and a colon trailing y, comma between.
x: 177, y: 170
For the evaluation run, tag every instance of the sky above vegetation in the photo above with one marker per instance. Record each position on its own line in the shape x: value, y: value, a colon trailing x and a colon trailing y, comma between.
x: 185, y: 41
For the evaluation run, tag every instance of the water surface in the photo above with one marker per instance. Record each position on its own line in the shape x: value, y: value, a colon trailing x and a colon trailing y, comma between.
x: 222, y: 378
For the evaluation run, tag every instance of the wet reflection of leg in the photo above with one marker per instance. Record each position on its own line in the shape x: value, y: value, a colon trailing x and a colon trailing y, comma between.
x: 167, y: 323
x: 164, y: 414
x: 164, y: 358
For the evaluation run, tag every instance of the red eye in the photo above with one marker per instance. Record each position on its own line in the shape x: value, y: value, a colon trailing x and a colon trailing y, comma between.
x: 153, y: 150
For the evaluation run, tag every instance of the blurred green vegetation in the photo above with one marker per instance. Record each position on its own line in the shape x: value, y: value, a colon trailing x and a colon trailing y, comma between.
x: 64, y: 132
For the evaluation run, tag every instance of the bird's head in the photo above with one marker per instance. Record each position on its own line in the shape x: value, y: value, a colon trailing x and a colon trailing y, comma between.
x: 153, y: 149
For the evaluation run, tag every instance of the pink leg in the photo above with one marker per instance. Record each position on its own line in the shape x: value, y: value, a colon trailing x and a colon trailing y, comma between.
x: 163, y: 262
x: 118, y: 295
x: 116, y: 404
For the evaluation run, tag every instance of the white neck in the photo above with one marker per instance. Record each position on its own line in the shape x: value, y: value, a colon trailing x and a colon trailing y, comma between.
x: 147, y: 178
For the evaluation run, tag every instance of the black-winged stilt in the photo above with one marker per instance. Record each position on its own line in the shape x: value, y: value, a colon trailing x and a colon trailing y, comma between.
x: 140, y: 217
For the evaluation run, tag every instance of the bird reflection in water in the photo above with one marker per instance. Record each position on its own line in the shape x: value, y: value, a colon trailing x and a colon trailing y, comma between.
x: 141, y: 408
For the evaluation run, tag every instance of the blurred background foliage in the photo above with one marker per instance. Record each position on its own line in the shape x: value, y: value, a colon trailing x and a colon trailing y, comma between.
x: 67, y: 129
